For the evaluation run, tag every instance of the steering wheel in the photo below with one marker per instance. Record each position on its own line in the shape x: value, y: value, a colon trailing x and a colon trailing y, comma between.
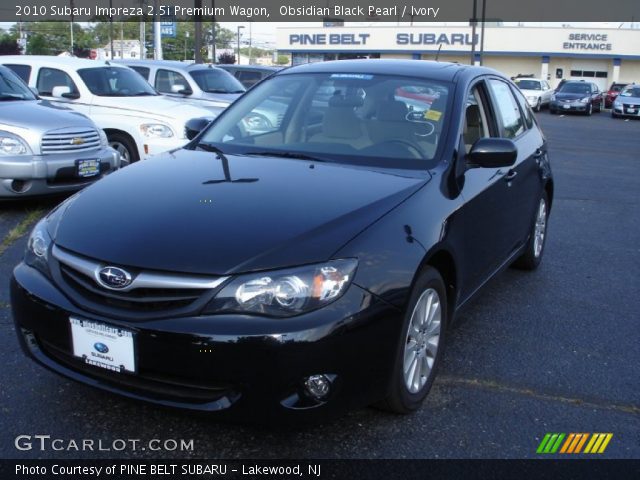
x: 411, y: 148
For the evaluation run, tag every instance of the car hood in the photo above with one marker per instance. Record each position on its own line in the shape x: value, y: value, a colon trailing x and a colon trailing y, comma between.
x: 156, y: 106
x: 40, y: 115
x: 629, y: 100
x: 571, y: 96
x: 188, y: 211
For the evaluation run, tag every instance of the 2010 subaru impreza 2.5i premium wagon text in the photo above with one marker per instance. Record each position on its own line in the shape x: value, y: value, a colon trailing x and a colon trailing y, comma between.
x: 299, y: 269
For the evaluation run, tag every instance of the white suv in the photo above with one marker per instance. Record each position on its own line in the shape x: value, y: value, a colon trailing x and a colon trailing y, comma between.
x: 137, y: 120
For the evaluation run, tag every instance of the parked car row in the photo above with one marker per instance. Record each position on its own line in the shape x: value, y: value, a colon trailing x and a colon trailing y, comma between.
x: 580, y: 96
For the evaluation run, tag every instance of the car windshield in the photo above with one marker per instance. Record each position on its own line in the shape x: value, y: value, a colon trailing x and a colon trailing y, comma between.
x: 12, y: 87
x: 575, y: 88
x: 528, y: 85
x: 381, y: 120
x: 115, y: 82
x: 215, y: 80
x: 631, y: 92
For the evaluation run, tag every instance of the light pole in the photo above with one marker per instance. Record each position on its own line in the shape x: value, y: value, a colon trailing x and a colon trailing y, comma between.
x: 239, y: 28
x: 474, y: 22
x: 484, y: 17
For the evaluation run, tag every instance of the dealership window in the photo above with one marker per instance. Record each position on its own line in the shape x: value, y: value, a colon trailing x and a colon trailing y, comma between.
x: 508, y: 110
x: 165, y: 79
x: 48, y: 78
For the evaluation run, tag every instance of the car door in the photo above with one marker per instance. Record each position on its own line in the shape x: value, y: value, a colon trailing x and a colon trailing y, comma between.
x: 523, y: 179
x: 483, y: 221
x: 547, y: 92
x: 171, y: 83
x: 48, y: 78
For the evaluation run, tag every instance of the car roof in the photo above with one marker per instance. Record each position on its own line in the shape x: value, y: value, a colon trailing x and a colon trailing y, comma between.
x: 443, y: 71
x: 175, y: 64
x: 264, y: 68
x: 71, y: 62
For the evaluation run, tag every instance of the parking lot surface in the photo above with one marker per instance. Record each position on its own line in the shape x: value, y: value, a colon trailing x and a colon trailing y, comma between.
x: 556, y: 350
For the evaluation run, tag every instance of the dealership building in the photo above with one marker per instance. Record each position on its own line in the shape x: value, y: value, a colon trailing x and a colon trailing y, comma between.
x: 600, y: 55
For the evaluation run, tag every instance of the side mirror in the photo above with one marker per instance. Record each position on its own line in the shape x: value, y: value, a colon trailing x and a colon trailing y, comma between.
x: 179, y: 88
x: 63, y: 92
x: 194, y: 126
x: 492, y: 153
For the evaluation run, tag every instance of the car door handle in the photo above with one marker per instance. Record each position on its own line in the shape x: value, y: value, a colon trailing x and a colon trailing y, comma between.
x: 511, y: 174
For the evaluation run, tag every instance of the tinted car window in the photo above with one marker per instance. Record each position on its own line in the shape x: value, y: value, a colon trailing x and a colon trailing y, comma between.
x: 575, y: 88
x: 350, y: 118
x: 214, y: 80
x: 249, y: 78
x: 144, y: 71
x: 526, y: 109
x: 475, y: 119
x: 23, y: 71
x: 48, y: 78
x: 528, y: 84
x: 12, y: 87
x: 115, y: 82
x: 165, y: 79
x: 508, y: 111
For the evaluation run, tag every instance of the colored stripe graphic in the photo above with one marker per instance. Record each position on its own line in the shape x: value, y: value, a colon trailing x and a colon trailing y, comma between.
x: 595, y: 443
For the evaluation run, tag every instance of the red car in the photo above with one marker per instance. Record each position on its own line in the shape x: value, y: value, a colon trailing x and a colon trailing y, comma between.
x: 613, y: 92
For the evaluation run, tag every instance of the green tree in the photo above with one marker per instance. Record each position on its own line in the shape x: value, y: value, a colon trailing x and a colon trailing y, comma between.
x: 9, y: 45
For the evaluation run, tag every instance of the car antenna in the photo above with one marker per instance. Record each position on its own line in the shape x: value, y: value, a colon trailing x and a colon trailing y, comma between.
x: 438, y: 52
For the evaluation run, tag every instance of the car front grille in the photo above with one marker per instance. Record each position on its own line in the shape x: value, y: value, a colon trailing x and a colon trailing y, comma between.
x: 151, y: 294
x: 145, y: 383
x: 67, y: 140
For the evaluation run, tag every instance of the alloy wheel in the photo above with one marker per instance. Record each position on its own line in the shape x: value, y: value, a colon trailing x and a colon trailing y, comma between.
x: 423, y: 339
x: 540, y: 229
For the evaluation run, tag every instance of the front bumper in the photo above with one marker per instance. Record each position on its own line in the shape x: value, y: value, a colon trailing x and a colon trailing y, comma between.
x: 627, y: 110
x: 49, y: 174
x: 233, y: 364
x: 533, y: 101
x: 571, y: 106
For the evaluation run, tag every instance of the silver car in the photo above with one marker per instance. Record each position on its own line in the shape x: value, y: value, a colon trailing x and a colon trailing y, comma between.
x: 202, y: 85
x: 627, y: 103
x: 45, y: 148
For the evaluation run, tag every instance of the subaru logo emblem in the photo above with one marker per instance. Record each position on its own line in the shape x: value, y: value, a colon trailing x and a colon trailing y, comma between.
x: 100, y: 347
x: 114, y: 278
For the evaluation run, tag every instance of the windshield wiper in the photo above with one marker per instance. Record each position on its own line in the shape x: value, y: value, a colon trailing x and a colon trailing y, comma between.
x: 209, y: 147
x: 298, y: 156
x: 6, y: 97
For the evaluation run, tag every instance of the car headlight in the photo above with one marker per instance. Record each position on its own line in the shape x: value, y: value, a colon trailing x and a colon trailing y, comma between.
x: 285, y: 293
x: 104, y: 141
x: 585, y: 100
x: 11, y: 144
x: 38, y: 247
x: 532, y: 98
x: 156, y: 130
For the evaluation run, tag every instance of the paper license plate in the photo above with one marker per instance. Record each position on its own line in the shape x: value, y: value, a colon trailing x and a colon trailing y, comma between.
x: 103, y: 345
x: 88, y: 168
x: 566, y: 106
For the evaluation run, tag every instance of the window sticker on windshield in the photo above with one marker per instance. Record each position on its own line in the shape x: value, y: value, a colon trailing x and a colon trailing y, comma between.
x: 433, y: 115
x: 359, y: 76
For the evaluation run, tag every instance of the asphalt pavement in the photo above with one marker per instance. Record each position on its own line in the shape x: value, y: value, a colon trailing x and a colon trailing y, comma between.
x: 556, y: 350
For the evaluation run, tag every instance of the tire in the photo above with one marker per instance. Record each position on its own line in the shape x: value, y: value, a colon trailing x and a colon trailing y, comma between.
x: 538, y: 106
x: 599, y: 106
x: 534, y: 250
x: 614, y: 115
x: 552, y: 111
x: 412, y: 347
x: 123, y: 144
x: 589, y: 110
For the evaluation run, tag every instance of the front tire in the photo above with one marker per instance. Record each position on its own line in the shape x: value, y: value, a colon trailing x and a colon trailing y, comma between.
x: 126, y: 147
x: 421, y: 344
x: 532, y: 256
x: 589, y: 110
x: 538, y: 106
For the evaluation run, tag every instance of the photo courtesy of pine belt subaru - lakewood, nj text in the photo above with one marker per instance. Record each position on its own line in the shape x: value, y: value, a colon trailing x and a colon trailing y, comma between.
x: 46, y: 148
x: 301, y: 269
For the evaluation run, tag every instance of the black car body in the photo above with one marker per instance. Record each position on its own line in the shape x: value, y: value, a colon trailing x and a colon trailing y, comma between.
x: 577, y: 96
x: 256, y: 275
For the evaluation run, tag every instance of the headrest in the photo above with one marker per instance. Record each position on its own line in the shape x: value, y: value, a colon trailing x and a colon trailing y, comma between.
x: 392, y: 111
x: 473, y: 116
x: 338, y: 101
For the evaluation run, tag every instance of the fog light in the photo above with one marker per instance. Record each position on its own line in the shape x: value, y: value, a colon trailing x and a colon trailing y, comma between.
x: 318, y: 386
